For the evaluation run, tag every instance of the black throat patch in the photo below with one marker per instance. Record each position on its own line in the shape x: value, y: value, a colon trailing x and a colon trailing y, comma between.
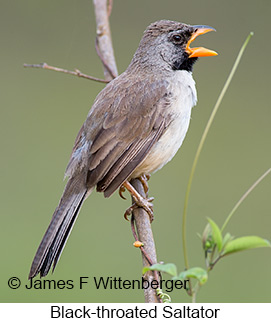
x: 184, y: 64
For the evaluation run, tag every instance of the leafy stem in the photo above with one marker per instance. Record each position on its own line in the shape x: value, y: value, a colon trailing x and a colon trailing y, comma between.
x: 201, y: 143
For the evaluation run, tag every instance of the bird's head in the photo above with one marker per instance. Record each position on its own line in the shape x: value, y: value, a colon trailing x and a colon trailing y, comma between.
x: 167, y: 43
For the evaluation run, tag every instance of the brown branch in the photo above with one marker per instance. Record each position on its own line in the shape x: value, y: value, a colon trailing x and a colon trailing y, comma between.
x: 76, y: 72
x: 144, y: 231
x: 137, y: 240
x: 142, y: 220
x: 107, y: 70
x: 109, y: 7
x: 150, y: 296
x: 105, y: 51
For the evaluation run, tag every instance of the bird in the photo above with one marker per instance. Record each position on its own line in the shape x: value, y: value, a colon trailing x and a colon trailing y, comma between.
x: 135, y: 126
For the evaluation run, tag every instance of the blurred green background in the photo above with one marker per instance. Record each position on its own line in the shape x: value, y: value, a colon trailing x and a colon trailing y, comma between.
x: 41, y: 112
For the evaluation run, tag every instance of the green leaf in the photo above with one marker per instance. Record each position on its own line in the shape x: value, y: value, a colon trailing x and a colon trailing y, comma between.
x: 170, y: 269
x: 244, y: 243
x: 217, y: 236
x: 227, y: 238
x: 196, y: 272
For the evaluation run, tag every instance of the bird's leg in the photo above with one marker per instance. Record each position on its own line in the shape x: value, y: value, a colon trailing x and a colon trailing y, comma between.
x: 140, y: 201
x: 143, y: 179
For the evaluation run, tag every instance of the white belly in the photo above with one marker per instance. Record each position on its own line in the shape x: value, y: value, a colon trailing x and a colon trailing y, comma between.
x: 185, y: 97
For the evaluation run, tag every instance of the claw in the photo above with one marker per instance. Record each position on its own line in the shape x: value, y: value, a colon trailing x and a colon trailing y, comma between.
x: 129, y: 211
x: 122, y: 190
x: 143, y: 179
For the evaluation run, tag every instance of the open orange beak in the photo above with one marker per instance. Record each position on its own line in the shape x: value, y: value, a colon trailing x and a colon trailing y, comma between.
x: 199, y: 51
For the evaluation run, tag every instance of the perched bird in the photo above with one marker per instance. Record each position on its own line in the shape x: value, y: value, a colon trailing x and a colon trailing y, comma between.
x: 135, y: 126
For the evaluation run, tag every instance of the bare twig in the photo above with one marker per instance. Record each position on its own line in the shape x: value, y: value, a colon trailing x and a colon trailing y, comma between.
x: 106, y: 66
x: 244, y: 197
x: 76, y: 72
x: 141, y: 217
x: 137, y: 239
x: 103, y: 41
x: 145, y: 235
x: 149, y: 296
x: 109, y: 7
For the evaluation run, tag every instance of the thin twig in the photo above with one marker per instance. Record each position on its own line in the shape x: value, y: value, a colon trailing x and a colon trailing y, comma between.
x: 155, y: 273
x: 106, y: 66
x: 76, y: 72
x: 136, y: 239
x: 109, y: 7
x: 144, y: 234
x: 105, y: 50
x: 244, y: 197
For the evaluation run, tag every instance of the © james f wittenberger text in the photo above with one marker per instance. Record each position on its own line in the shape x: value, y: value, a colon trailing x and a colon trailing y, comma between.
x: 98, y: 283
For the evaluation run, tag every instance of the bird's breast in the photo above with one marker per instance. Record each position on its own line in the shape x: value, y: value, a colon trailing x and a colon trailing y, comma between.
x: 184, y: 97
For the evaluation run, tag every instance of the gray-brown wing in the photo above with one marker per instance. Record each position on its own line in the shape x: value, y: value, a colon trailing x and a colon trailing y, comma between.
x: 125, y: 122
x: 129, y: 160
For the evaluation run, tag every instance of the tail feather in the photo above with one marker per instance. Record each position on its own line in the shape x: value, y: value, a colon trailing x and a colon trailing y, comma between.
x: 60, y: 227
x: 60, y: 240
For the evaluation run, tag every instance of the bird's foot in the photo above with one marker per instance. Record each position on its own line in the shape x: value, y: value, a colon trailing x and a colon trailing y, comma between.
x: 140, y: 201
x: 145, y: 204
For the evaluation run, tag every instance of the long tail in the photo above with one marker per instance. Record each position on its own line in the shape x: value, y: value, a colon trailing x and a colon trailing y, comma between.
x: 60, y: 227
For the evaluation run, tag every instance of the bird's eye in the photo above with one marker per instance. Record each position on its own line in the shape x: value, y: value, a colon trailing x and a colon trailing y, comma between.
x: 176, y: 38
